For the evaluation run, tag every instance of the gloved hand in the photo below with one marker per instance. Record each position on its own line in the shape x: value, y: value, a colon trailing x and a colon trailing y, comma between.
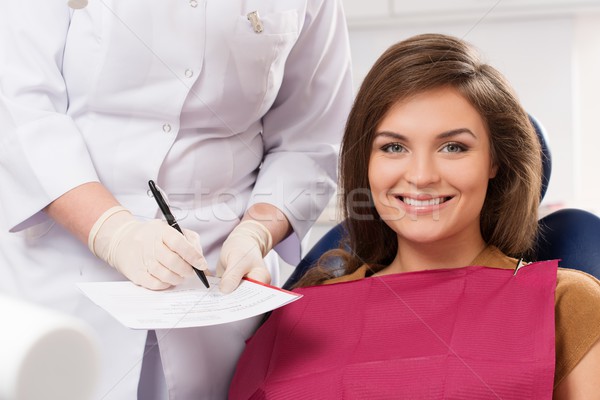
x: 242, y: 255
x: 149, y: 253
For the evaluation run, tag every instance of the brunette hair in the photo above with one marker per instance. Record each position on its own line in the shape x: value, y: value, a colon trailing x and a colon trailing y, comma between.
x: 410, y: 67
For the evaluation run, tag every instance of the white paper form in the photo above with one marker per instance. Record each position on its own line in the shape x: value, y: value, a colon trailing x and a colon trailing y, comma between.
x: 184, y: 306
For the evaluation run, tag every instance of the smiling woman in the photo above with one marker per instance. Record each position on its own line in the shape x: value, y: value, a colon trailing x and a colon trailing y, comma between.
x: 440, y: 180
x: 416, y: 76
x: 429, y: 169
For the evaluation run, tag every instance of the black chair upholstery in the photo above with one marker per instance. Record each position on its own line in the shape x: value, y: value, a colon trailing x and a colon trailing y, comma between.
x: 573, y: 236
x: 331, y: 240
x: 546, y: 155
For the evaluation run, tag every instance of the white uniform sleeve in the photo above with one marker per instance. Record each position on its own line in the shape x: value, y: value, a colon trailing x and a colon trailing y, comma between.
x: 303, y: 128
x: 42, y: 153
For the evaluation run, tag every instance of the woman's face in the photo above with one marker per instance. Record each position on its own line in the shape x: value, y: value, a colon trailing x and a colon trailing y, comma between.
x: 429, y: 168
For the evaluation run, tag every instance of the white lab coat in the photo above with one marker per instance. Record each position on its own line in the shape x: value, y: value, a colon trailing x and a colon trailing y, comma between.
x: 184, y: 92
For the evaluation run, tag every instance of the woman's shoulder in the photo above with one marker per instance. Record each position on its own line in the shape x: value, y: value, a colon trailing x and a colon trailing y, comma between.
x: 577, y: 304
x: 360, y: 273
x: 578, y: 286
x: 577, y: 313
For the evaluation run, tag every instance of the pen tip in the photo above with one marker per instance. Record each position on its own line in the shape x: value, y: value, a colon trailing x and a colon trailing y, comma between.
x: 202, y: 277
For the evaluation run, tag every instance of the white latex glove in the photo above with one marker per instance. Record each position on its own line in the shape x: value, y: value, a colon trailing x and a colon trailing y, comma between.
x: 149, y: 253
x: 242, y: 255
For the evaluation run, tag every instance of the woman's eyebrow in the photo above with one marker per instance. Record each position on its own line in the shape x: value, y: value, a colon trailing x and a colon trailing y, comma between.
x: 455, y: 132
x: 443, y: 135
x: 392, y: 135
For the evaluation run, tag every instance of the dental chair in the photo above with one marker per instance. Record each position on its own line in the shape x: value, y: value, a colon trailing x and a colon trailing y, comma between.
x: 571, y: 235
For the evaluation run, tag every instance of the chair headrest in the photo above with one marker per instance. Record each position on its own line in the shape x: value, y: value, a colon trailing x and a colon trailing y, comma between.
x: 546, y: 155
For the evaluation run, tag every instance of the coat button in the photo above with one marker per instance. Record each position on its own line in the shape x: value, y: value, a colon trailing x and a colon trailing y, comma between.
x: 166, y: 128
x: 194, y: 3
x: 189, y: 73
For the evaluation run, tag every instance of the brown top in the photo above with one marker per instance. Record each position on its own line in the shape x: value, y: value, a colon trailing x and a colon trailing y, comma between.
x: 577, y: 308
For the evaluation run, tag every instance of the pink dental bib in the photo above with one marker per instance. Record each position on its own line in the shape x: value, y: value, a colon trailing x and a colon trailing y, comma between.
x: 466, y: 333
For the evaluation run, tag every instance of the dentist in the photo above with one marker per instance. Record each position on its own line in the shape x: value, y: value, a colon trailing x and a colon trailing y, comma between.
x: 235, y: 108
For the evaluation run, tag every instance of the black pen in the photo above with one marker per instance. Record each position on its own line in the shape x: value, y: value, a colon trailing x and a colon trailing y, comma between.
x: 162, y: 204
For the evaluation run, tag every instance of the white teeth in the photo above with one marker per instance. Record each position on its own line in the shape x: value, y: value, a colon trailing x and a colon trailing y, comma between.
x: 422, y: 203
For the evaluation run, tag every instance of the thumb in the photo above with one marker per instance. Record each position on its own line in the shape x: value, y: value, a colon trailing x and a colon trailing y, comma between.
x: 259, y: 272
x: 220, y: 271
x: 231, y: 279
x: 193, y: 238
x: 198, y: 261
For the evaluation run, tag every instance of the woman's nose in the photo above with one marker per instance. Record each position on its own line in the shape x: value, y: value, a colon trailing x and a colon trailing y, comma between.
x: 422, y: 170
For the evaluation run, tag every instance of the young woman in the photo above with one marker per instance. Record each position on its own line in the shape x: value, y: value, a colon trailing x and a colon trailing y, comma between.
x: 440, y: 175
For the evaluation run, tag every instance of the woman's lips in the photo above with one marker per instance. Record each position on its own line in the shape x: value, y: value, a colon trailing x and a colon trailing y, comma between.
x: 423, y: 204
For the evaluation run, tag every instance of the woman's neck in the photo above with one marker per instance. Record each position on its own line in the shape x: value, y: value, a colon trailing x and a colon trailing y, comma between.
x: 418, y: 256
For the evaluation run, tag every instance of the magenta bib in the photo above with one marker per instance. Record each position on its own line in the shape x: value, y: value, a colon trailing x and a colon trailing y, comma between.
x: 467, y: 333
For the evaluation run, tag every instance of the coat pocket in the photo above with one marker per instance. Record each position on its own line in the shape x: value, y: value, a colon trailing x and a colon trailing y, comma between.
x: 259, y: 58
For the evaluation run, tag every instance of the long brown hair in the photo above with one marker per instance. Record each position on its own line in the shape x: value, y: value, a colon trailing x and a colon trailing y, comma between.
x: 421, y: 63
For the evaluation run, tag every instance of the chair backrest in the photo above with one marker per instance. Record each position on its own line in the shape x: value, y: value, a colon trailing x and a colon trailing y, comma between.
x: 331, y: 240
x: 546, y: 154
x: 571, y: 235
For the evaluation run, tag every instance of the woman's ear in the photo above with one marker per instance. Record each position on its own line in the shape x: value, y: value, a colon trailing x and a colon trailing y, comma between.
x: 493, y: 170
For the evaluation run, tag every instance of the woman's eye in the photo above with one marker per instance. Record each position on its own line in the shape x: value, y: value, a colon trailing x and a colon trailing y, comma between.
x: 393, y: 148
x: 453, y: 148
